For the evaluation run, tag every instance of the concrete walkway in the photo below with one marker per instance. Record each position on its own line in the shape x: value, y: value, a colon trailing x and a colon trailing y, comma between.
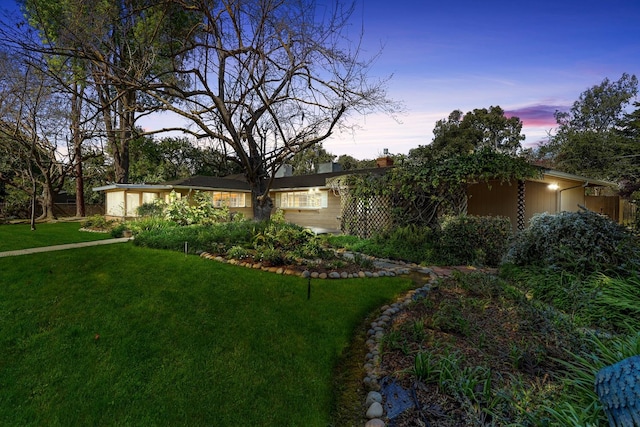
x: 63, y: 247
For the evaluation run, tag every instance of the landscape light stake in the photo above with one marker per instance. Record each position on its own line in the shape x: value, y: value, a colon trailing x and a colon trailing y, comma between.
x: 186, y: 248
x: 308, y: 288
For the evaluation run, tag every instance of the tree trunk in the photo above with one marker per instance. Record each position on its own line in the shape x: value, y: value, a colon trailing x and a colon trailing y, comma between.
x: 260, y: 200
x: 47, y: 202
x: 33, y: 204
x: 80, y: 205
x: 77, y: 148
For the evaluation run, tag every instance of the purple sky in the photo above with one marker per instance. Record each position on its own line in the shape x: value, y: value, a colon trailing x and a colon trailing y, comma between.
x: 529, y: 57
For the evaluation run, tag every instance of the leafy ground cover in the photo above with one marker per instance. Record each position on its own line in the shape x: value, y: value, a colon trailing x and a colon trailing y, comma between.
x: 481, y: 350
x: 120, y: 334
x: 475, y: 351
x: 20, y: 236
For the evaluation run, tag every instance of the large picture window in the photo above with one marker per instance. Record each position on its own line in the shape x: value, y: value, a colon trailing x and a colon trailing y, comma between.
x: 115, y: 203
x: 231, y: 200
x: 312, y: 199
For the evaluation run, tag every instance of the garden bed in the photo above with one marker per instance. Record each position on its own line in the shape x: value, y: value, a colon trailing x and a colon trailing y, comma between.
x: 335, y: 268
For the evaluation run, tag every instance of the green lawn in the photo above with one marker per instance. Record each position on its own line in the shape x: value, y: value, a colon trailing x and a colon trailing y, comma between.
x: 20, y: 236
x: 123, y: 335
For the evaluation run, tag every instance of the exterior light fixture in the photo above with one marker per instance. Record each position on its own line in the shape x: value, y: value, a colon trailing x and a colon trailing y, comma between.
x: 553, y: 187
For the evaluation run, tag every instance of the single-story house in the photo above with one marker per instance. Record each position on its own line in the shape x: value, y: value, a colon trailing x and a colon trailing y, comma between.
x: 311, y: 201
x: 307, y: 200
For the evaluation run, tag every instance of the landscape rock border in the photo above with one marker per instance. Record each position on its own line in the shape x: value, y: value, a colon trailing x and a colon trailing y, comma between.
x: 374, y: 401
x: 383, y: 268
x: 375, y: 335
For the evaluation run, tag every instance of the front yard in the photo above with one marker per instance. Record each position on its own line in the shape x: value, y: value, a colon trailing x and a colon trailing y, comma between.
x: 127, y: 335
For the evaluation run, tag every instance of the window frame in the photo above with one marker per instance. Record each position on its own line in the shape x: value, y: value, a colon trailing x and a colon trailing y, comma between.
x: 312, y: 199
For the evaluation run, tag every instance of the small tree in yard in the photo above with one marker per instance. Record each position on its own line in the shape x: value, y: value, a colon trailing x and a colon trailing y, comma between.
x: 269, y: 79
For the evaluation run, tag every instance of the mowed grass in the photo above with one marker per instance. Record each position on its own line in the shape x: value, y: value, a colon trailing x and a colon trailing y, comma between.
x: 20, y: 236
x: 123, y: 335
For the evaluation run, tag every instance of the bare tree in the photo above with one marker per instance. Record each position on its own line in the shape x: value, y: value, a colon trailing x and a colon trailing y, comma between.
x: 269, y: 79
x: 100, y: 48
x: 33, y: 126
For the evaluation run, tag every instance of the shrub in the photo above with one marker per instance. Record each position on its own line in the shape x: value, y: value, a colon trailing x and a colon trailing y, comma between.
x: 16, y: 204
x: 408, y: 243
x: 271, y: 256
x: 287, y: 237
x: 581, y: 243
x: 344, y: 241
x: 467, y: 239
x: 173, y: 238
x: 598, y: 301
x: 312, y: 249
x: 579, y: 404
x: 98, y: 222
x: 149, y: 224
x: 237, y: 252
x: 215, y: 238
x: 118, y: 230
x: 199, y: 210
x: 153, y: 209
x: 615, y: 304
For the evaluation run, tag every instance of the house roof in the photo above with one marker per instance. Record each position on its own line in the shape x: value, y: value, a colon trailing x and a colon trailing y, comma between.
x: 317, y: 180
x: 133, y: 187
x: 209, y: 182
x: 586, y: 182
x: 237, y: 183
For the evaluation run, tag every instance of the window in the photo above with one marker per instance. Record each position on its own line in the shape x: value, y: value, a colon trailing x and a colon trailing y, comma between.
x: 312, y: 199
x: 133, y: 201
x: 149, y: 197
x: 115, y: 203
x: 232, y: 200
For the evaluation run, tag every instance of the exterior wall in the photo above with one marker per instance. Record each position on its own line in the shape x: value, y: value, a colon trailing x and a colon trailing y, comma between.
x: 571, y: 199
x: 495, y: 199
x: 323, y: 218
x: 538, y: 199
x: 502, y: 199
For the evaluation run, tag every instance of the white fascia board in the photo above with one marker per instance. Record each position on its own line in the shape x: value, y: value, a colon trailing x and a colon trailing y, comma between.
x: 226, y: 190
x: 133, y: 187
x: 568, y: 176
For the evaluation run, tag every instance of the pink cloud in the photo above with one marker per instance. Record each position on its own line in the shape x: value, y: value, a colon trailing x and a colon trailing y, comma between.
x: 540, y: 115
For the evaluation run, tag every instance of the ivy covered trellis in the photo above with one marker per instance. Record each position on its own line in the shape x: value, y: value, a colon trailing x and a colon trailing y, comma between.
x: 362, y: 215
x: 421, y: 190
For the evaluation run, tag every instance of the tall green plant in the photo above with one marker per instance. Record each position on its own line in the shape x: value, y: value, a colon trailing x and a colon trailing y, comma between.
x: 468, y: 239
x: 579, y: 404
x: 616, y: 302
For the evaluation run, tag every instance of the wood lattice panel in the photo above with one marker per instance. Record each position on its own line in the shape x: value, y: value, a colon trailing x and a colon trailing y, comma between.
x: 365, y: 217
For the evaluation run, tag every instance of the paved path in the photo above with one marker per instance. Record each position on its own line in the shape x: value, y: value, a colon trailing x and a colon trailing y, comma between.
x: 63, y: 247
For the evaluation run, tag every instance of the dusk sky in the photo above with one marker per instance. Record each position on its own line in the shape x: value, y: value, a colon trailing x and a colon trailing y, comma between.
x: 529, y: 57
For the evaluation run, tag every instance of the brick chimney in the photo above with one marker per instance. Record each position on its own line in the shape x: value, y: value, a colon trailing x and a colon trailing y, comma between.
x: 384, y: 162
